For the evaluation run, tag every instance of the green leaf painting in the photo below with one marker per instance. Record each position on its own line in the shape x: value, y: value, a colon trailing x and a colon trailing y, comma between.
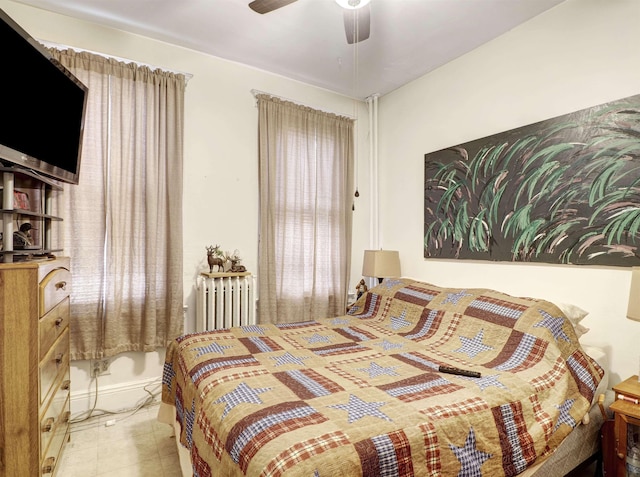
x: 565, y: 190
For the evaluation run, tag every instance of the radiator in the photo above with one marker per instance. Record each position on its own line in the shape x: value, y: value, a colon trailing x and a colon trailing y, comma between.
x: 225, y: 300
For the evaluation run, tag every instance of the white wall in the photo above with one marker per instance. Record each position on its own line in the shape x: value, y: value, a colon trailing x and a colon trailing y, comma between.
x: 579, y: 54
x: 220, y: 171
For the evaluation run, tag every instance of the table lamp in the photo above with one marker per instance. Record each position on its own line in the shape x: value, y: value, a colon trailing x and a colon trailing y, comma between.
x: 381, y: 264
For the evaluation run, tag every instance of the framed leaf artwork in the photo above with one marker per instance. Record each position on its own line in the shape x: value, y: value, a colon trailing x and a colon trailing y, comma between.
x: 564, y: 190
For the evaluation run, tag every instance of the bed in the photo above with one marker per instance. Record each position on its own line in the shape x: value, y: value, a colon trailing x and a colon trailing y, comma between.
x: 364, y: 394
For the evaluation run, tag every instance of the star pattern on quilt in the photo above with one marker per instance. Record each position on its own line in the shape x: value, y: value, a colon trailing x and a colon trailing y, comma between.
x: 374, y: 370
x: 387, y: 345
x: 485, y: 382
x: 288, y: 358
x: 398, y: 322
x: 243, y: 393
x: 211, y: 348
x: 455, y: 297
x: 316, y: 338
x: 337, y: 321
x: 553, y: 324
x: 472, y: 347
x: 470, y: 458
x: 357, y: 409
x: 391, y: 282
x: 188, y: 416
x: 253, y: 329
x: 565, y: 417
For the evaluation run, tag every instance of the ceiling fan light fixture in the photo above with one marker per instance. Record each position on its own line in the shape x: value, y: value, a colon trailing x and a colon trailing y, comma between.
x: 352, y: 4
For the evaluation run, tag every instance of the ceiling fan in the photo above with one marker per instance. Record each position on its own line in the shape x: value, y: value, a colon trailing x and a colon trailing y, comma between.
x: 357, y: 15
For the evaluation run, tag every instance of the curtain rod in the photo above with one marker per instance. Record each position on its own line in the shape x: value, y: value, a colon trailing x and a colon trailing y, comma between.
x: 256, y: 92
x: 59, y: 46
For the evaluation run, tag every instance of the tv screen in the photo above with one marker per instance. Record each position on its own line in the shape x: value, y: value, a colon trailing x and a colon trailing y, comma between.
x: 43, y: 107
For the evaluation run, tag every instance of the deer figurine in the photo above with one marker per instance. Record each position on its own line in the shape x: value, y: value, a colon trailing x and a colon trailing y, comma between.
x: 215, y: 257
x: 235, y: 262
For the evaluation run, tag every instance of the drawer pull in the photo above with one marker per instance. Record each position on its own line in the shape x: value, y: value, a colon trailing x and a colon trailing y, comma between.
x: 59, y: 357
x: 620, y: 455
x: 61, y: 285
x: 49, y: 464
x: 59, y: 321
x: 66, y: 384
x: 48, y: 424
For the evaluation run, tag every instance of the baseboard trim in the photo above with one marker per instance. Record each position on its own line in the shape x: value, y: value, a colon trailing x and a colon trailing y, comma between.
x: 116, y: 397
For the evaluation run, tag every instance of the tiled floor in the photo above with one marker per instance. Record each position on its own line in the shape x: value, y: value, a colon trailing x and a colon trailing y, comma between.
x: 136, y: 446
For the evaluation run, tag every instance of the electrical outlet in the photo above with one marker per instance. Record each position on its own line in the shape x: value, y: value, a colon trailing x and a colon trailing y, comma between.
x: 100, y: 367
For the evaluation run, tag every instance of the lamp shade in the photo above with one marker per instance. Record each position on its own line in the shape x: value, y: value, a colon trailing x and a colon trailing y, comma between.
x: 633, y: 309
x: 381, y: 263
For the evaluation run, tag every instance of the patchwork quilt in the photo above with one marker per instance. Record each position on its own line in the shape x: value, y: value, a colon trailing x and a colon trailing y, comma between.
x: 362, y: 394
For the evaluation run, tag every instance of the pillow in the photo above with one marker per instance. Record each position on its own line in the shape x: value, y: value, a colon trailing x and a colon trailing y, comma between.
x: 580, y: 329
x: 575, y: 314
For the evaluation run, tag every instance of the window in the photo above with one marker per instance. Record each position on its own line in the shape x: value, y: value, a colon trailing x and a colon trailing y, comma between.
x: 123, y: 222
x: 306, y: 177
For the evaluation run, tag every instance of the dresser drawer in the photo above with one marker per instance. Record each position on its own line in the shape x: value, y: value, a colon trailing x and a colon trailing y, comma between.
x: 54, y: 364
x: 53, y: 324
x: 52, y: 456
x: 54, y: 287
x: 56, y: 415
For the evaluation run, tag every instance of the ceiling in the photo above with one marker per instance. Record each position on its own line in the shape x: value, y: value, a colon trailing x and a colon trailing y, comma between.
x: 306, y: 41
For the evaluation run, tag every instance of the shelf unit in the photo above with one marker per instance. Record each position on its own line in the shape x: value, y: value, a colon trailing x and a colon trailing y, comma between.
x: 626, y: 425
x: 27, y: 198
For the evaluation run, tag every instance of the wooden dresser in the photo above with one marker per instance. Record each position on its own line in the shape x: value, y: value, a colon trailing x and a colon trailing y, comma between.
x: 34, y: 366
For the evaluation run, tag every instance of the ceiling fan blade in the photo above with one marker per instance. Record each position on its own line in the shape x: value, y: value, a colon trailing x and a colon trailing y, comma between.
x: 266, y: 6
x: 357, y: 24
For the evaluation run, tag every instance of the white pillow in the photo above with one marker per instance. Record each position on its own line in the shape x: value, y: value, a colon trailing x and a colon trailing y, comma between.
x: 575, y: 314
x: 580, y: 330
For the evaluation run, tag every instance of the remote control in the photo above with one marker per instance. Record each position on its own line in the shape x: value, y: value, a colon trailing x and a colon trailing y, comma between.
x: 458, y: 371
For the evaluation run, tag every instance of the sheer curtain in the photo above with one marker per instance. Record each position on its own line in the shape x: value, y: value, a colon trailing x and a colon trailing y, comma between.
x: 123, y: 223
x: 306, y: 179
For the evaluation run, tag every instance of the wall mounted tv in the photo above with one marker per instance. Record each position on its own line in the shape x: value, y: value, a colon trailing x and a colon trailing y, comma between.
x: 43, y: 107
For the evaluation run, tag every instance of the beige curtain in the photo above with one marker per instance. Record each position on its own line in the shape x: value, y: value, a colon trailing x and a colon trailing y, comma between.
x: 123, y: 223
x: 306, y: 180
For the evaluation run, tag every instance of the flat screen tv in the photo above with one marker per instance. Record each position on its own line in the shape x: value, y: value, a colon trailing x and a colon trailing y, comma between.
x: 42, y: 107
